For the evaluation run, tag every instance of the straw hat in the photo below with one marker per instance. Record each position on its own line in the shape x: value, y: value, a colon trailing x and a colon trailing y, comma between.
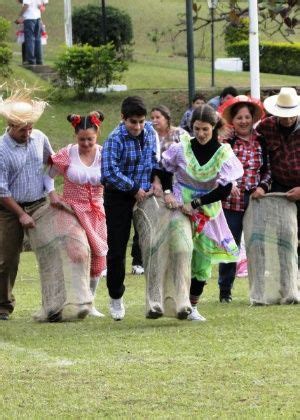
x: 286, y: 104
x: 225, y: 109
x: 20, y: 109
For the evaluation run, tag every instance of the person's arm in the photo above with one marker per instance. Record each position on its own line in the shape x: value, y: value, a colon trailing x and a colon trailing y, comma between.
x: 219, y: 193
x: 20, y: 19
x: 110, y: 170
x: 8, y: 201
x: 293, y: 194
x: 10, y: 204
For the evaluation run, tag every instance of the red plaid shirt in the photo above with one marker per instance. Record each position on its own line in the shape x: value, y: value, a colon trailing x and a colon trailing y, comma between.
x: 284, y: 152
x: 256, y: 169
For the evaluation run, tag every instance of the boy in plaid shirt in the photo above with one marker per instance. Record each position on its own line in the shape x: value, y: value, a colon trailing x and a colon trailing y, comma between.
x: 128, y: 157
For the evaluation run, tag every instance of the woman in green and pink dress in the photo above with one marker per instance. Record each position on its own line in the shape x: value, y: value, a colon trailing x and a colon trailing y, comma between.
x: 205, y: 172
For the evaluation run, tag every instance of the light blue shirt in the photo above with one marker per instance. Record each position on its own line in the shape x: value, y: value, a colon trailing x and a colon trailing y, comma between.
x: 22, y: 167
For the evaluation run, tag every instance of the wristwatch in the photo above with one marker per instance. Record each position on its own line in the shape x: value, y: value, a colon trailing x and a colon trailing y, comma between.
x: 166, y: 192
x: 196, y: 203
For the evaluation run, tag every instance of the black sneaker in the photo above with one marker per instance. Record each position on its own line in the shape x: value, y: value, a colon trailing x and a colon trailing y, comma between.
x: 4, y: 316
x: 225, y: 296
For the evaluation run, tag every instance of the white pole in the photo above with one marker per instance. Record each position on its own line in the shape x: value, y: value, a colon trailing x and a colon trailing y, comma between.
x: 254, y: 49
x: 68, y: 23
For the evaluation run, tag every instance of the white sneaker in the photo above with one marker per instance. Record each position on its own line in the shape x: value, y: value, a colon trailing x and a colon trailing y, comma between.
x: 195, y: 315
x: 137, y: 269
x: 96, y: 313
x: 117, y: 309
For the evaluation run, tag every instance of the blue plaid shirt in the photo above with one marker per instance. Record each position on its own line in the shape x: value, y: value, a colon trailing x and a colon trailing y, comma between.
x: 124, y: 165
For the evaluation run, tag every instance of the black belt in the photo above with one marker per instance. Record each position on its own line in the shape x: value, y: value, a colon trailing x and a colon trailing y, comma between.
x: 32, y: 203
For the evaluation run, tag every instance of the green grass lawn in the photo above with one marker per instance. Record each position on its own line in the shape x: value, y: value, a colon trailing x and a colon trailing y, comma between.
x: 242, y: 363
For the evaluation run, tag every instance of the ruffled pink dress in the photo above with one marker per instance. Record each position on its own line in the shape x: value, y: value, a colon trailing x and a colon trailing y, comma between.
x: 84, y: 193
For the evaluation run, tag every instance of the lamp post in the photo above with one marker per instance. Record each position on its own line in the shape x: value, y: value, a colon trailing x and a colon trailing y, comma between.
x: 190, y: 49
x: 103, y: 21
x: 212, y: 5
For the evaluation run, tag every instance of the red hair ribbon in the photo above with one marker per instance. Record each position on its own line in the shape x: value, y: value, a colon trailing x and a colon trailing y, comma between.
x: 76, y: 120
x: 95, y: 120
x: 199, y: 219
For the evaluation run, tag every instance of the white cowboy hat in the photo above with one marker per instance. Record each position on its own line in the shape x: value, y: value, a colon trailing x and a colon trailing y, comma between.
x: 286, y: 104
x: 225, y: 108
x: 19, y: 109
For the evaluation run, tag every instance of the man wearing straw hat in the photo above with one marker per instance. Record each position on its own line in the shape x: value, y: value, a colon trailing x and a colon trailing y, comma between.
x: 23, y: 153
x: 282, y: 139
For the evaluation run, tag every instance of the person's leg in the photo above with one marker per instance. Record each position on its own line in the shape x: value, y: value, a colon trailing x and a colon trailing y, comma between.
x: 98, y: 264
x: 29, y: 39
x: 118, y: 209
x: 196, y: 291
x: 11, y: 239
x: 227, y: 271
x: 201, y: 271
x: 137, y: 262
x: 38, y: 42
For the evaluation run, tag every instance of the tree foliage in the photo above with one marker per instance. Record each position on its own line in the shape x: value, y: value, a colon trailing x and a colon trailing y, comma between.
x: 87, y: 24
x: 5, y: 50
x: 281, y: 16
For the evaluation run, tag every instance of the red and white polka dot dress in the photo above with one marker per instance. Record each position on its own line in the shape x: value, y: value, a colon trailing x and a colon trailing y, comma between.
x: 84, y: 193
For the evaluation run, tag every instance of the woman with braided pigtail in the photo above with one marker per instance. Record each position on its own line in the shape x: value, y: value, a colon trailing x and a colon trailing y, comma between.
x: 79, y: 164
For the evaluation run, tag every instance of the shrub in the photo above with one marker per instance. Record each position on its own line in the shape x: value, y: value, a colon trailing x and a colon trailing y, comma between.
x: 5, y: 51
x: 235, y: 32
x: 89, y: 67
x: 88, y: 29
x: 277, y: 58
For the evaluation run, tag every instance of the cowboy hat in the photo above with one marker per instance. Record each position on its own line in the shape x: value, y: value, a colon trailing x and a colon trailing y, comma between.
x: 20, y: 109
x: 225, y: 109
x: 286, y: 104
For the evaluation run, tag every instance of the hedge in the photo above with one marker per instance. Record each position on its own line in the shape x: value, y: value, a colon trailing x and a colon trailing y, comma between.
x: 277, y: 58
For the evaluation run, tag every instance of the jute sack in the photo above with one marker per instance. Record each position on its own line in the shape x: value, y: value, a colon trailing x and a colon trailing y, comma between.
x: 166, y: 242
x: 63, y: 255
x: 270, y: 230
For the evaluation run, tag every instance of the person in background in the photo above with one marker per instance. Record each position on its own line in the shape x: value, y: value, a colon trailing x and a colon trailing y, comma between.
x: 197, y: 100
x: 128, y: 158
x: 23, y: 153
x: 281, y: 132
x: 30, y: 16
x: 205, y: 171
x: 243, y: 112
x: 80, y: 166
x: 227, y: 93
x: 161, y: 119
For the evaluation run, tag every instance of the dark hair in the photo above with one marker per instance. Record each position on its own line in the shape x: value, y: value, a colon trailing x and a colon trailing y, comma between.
x: 92, y: 120
x: 133, y: 105
x: 206, y: 113
x: 164, y: 110
x: 198, y: 95
x: 239, y: 105
x: 229, y: 90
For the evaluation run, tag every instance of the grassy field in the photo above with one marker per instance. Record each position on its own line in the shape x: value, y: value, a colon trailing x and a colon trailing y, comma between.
x: 242, y: 363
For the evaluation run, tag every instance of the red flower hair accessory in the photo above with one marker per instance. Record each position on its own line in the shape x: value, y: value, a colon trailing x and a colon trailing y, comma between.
x: 76, y: 120
x: 95, y: 120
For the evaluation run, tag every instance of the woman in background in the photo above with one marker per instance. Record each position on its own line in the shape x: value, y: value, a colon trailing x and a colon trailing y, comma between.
x: 242, y: 112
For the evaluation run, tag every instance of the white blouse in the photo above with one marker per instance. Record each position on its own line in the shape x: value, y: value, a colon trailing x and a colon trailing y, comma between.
x: 79, y: 173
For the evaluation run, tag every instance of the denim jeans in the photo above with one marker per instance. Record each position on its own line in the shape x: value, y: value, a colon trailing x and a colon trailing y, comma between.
x: 32, y: 37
